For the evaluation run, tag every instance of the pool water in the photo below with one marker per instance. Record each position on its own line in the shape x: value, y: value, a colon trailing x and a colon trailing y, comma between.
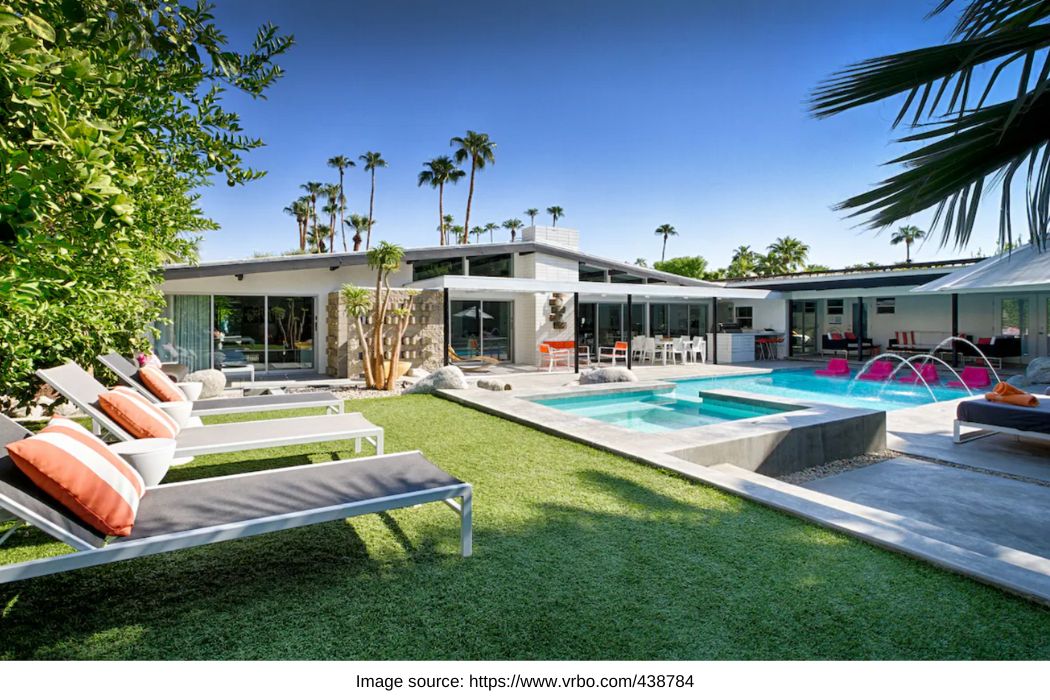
x: 657, y: 412
x: 803, y: 384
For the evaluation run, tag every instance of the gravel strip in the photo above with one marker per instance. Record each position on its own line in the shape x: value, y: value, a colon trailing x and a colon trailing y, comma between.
x: 839, y: 466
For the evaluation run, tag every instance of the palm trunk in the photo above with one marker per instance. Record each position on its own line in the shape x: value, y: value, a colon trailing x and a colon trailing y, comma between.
x: 378, y: 316
x: 366, y: 360
x: 342, y: 210
x: 441, y: 211
x: 371, y: 202
x: 331, y: 235
x: 513, y: 235
x: 357, y: 240
x: 907, y: 251
x: 470, y: 198
x: 663, y: 252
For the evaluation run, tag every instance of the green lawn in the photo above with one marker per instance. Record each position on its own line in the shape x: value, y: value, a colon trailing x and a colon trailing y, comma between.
x: 578, y: 554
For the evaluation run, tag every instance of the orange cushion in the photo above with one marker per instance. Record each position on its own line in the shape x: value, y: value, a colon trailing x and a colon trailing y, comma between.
x: 137, y: 415
x: 77, y: 469
x: 159, y: 384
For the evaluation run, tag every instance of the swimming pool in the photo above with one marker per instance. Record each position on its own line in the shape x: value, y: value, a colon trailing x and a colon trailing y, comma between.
x: 803, y: 384
x: 659, y: 411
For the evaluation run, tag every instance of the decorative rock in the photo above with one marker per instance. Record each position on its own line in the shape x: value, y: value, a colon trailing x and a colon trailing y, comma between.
x: 493, y: 385
x: 1038, y: 371
x: 213, y: 380
x: 606, y: 375
x: 450, y: 377
x: 418, y: 372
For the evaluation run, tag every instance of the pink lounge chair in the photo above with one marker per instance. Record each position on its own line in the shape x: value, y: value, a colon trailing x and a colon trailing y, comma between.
x: 879, y: 371
x: 837, y: 367
x: 973, y: 378
x: 928, y: 372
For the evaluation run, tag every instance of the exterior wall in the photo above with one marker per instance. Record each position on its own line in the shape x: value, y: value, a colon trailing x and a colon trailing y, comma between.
x: 421, y: 344
x: 549, y: 267
x: 564, y: 237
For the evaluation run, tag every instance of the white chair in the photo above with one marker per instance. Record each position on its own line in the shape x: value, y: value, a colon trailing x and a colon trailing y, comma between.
x: 638, y: 347
x: 678, y: 349
x: 700, y: 348
x: 555, y: 356
x: 649, y: 351
x: 617, y: 352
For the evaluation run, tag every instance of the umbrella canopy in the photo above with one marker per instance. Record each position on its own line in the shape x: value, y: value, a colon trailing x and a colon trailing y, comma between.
x: 472, y: 312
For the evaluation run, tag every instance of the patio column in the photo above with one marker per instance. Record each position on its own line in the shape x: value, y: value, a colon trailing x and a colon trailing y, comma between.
x: 629, y: 326
x: 859, y: 330
x: 444, y: 324
x: 955, y: 329
x: 576, y: 332
x: 714, y: 330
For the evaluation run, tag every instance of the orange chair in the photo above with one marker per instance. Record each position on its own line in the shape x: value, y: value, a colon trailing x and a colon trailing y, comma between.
x: 617, y: 352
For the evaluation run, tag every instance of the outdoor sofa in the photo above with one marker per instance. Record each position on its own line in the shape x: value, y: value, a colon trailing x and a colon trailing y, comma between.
x: 194, y: 513
x: 985, y: 418
x: 83, y: 390
x: 127, y: 373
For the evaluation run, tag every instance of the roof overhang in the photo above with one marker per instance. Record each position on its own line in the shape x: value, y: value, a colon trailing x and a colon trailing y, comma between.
x: 588, y: 290
x: 1026, y: 269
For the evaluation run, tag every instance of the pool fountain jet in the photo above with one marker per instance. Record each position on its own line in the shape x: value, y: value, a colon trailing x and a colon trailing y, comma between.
x: 926, y: 357
x: 984, y: 357
x: 881, y: 356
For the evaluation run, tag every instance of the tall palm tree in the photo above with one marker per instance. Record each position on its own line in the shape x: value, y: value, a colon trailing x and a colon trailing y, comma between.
x: 358, y: 222
x: 476, y: 232
x: 341, y: 163
x: 490, y: 227
x: 371, y: 160
x: 440, y: 171
x: 313, y: 190
x: 666, y: 231
x: 532, y: 214
x: 512, y: 225
x: 556, y: 213
x: 791, y: 253
x: 641, y: 262
x: 744, y: 262
x: 318, y: 235
x: 477, y: 148
x: 300, y: 209
x: 965, y: 141
x: 458, y: 231
x: 907, y: 235
x: 331, y: 207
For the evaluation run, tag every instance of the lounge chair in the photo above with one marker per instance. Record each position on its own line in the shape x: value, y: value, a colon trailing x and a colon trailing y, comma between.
x: 972, y: 378
x: 127, y: 372
x: 83, y: 390
x: 837, y: 367
x: 193, y: 513
x: 988, y: 418
x: 927, y: 373
x: 879, y: 371
x: 476, y: 364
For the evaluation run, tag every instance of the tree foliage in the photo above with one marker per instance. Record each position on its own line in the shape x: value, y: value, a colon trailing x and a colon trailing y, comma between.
x: 112, y: 120
x: 690, y: 266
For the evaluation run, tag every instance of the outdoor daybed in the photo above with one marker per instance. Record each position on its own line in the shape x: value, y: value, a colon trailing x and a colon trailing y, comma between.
x: 127, y: 373
x: 193, y: 513
x: 987, y: 418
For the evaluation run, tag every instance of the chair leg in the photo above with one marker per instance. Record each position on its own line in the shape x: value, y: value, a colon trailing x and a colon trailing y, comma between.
x: 466, y: 525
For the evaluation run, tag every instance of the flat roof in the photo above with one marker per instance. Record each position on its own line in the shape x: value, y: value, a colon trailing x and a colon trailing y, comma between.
x: 590, y: 290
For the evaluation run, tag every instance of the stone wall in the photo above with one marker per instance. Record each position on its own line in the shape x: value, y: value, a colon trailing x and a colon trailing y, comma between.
x: 421, y: 344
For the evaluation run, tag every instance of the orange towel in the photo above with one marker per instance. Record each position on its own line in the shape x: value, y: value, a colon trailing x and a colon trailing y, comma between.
x: 1004, y: 393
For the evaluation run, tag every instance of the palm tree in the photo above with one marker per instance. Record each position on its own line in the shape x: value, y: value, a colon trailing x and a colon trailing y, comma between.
x: 331, y: 207
x: 439, y: 171
x: 744, y: 262
x: 476, y: 232
x: 477, y: 148
x: 490, y: 227
x: 358, y: 222
x: 789, y: 253
x: 318, y: 234
x: 965, y: 142
x: 907, y: 235
x: 512, y: 225
x: 459, y: 232
x: 341, y: 163
x: 641, y: 262
x: 313, y: 189
x: 532, y: 214
x: 300, y: 209
x: 665, y: 230
x: 556, y: 213
x: 372, y: 160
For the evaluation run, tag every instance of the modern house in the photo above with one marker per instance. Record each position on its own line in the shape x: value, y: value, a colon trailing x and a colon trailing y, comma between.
x: 283, y: 314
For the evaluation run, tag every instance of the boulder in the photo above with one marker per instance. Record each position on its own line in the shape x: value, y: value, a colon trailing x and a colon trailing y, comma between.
x: 493, y: 385
x: 213, y: 381
x: 417, y: 372
x: 607, y: 375
x: 445, y: 378
x: 1038, y: 371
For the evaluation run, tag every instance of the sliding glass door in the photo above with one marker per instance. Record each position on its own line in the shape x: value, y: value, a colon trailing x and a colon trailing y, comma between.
x: 804, y: 333
x: 481, y: 327
x: 290, y: 333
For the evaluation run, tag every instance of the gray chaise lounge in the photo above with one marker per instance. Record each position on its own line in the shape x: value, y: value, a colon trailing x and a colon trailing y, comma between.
x: 126, y: 371
x: 83, y: 390
x: 987, y: 418
x: 193, y: 513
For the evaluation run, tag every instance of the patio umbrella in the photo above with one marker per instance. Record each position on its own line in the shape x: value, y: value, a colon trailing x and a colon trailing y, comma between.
x: 472, y: 312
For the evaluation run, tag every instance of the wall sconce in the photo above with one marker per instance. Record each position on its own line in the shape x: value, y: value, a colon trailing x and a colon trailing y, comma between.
x: 239, y: 276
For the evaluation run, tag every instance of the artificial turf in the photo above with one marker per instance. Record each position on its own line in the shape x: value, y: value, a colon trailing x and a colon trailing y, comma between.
x: 578, y: 554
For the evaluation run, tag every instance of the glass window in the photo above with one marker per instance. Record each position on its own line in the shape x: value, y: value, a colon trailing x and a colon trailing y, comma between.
x: 803, y: 327
x: 624, y: 277
x: 1014, y: 320
x: 610, y: 324
x: 491, y: 266
x: 637, y: 319
x: 426, y: 269
x: 290, y: 336
x: 239, y: 334
x: 697, y: 319
x: 591, y: 274
x: 588, y: 325
x: 835, y: 307
x: 496, y: 329
x: 188, y: 338
x: 465, y: 328
x: 677, y: 320
x: 657, y: 320
x: 885, y: 305
x: 745, y: 316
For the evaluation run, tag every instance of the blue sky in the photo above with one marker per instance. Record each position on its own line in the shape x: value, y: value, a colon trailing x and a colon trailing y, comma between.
x: 628, y: 115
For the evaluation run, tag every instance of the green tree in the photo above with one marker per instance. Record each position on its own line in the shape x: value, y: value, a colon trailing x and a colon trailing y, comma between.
x: 512, y: 225
x: 745, y: 262
x: 491, y: 227
x: 556, y: 213
x: 332, y: 207
x: 319, y: 236
x: 907, y: 235
x: 457, y: 232
x: 641, y: 262
x: 788, y: 254
x: 300, y: 209
x: 112, y: 121
x: 313, y: 191
x: 385, y: 259
x: 478, y: 149
x: 966, y: 141
x: 532, y: 214
x: 439, y: 172
x: 372, y: 161
x: 358, y: 222
x: 476, y: 232
x: 665, y: 231
x: 341, y: 163
x: 692, y: 266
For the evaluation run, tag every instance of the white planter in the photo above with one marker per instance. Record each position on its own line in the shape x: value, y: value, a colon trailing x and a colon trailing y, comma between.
x: 192, y: 390
x: 150, y: 457
x: 178, y: 410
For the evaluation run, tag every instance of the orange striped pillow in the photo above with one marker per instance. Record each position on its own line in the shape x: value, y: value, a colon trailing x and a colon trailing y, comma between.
x: 77, y: 469
x: 136, y: 414
x: 159, y: 384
